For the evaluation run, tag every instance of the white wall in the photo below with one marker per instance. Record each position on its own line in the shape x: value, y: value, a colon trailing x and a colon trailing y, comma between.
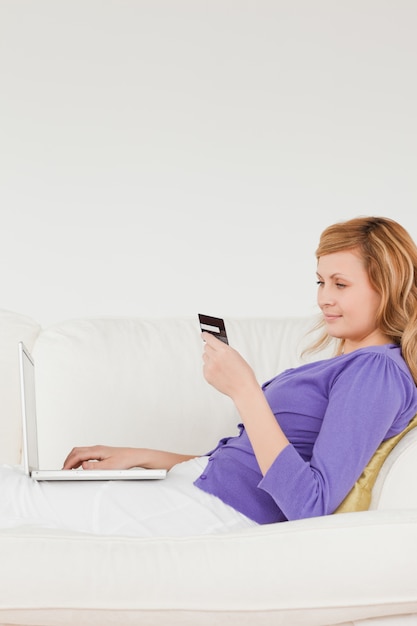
x: 164, y: 157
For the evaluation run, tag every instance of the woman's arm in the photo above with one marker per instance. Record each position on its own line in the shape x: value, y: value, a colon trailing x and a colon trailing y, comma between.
x: 109, y: 457
x: 230, y: 374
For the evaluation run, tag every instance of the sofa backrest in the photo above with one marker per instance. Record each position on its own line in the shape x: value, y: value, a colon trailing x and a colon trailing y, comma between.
x: 130, y: 381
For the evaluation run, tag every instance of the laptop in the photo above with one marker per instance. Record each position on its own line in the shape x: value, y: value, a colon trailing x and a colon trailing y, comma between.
x: 30, y: 438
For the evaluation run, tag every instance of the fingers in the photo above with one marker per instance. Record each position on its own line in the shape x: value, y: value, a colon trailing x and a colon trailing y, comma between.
x: 81, y: 456
x: 105, y: 464
x: 213, y: 353
x: 212, y: 341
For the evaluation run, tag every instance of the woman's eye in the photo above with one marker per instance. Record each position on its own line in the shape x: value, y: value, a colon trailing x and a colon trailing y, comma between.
x: 340, y: 285
x: 320, y: 282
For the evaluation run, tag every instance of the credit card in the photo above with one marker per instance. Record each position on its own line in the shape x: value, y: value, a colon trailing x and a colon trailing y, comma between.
x: 213, y: 325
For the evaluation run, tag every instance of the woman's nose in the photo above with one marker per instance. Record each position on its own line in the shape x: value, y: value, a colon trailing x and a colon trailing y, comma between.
x: 325, y: 297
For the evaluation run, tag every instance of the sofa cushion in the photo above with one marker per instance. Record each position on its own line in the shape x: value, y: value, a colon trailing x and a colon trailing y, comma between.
x: 359, y: 498
x: 347, y: 568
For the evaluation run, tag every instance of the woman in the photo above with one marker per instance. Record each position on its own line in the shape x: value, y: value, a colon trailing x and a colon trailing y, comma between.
x: 306, y: 435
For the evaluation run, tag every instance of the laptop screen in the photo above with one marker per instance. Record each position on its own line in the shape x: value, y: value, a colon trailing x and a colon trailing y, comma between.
x: 29, y: 430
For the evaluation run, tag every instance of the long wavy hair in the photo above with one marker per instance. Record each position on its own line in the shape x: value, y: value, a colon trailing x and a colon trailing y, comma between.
x: 390, y: 258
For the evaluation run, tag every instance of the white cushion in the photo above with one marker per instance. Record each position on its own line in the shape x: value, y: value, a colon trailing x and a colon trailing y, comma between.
x: 396, y: 484
x: 139, y: 382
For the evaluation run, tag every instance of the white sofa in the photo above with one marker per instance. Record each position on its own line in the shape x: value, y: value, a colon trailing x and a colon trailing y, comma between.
x: 126, y: 380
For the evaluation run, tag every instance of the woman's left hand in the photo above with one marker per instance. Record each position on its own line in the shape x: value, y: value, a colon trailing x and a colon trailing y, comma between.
x: 229, y: 373
x: 224, y: 368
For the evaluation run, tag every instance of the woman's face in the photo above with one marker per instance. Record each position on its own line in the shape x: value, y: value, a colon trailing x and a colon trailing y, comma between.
x: 348, y: 301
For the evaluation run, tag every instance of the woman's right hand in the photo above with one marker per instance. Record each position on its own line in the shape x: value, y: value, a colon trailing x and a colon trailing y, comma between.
x: 109, y: 457
x: 105, y: 457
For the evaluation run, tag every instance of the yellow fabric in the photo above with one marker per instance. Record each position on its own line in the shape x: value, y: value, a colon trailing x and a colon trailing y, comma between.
x: 359, y: 498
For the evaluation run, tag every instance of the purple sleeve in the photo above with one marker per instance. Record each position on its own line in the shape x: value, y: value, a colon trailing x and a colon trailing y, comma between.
x: 364, y: 401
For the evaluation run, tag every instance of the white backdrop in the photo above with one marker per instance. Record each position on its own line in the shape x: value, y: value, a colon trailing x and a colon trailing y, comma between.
x: 163, y: 157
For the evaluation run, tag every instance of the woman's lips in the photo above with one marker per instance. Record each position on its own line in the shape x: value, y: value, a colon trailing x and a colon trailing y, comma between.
x: 331, y: 318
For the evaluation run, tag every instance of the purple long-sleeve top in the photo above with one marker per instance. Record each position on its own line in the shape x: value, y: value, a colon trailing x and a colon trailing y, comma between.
x: 335, y: 413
